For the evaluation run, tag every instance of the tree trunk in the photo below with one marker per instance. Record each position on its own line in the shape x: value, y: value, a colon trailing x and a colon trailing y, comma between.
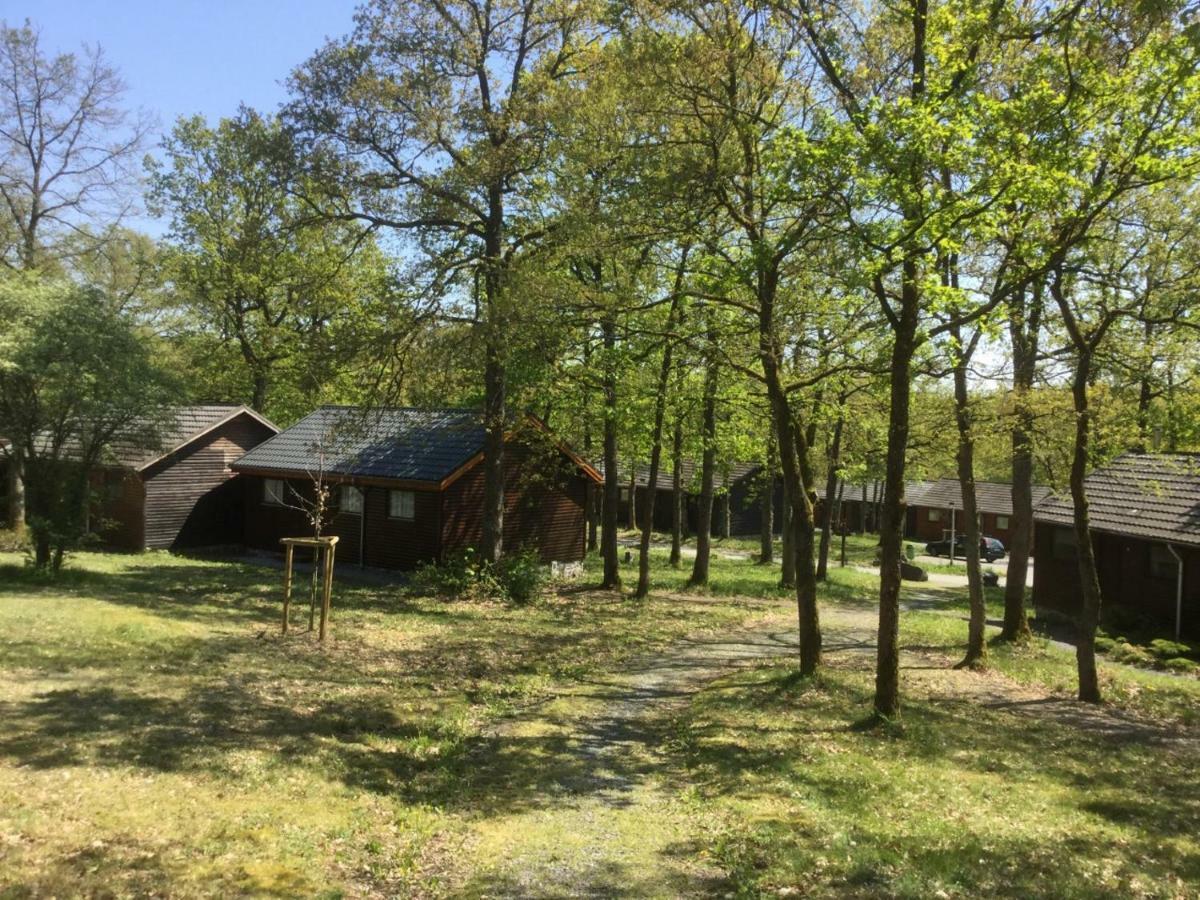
x: 891, y: 525
x: 1089, y: 579
x: 592, y: 500
x: 726, y: 515
x: 708, y: 465
x: 1024, y: 331
x: 660, y: 414
x: 833, y: 461
x: 766, y: 538
x: 677, y: 495
x: 612, y: 489
x: 494, y: 424
x: 16, y: 492
x: 976, y: 655
x: 258, y: 391
x: 862, y: 512
x: 787, y: 568
x: 797, y: 478
x: 633, y: 521
x: 1145, y: 394
x: 841, y: 514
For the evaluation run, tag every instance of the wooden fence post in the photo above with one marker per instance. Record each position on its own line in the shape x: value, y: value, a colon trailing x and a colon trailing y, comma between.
x: 327, y: 588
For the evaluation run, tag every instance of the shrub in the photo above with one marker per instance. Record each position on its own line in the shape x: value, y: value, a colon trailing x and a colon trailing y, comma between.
x: 1104, y: 643
x: 1182, y: 665
x: 1128, y: 653
x: 518, y: 578
x: 521, y: 577
x: 1165, y: 649
x: 458, y: 576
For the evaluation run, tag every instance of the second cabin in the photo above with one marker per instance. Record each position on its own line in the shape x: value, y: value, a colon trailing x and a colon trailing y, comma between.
x: 406, y: 486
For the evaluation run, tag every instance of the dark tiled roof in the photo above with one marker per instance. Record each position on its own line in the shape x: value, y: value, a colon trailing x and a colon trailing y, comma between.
x: 689, y: 474
x: 398, y: 443
x: 152, y: 439
x: 991, y: 496
x: 1155, y: 496
x: 853, y: 492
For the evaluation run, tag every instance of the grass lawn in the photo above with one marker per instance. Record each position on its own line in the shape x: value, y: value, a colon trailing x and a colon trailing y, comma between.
x: 159, y: 731
x: 160, y: 737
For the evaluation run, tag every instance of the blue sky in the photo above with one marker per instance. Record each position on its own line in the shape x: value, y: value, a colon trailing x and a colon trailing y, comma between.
x: 181, y: 57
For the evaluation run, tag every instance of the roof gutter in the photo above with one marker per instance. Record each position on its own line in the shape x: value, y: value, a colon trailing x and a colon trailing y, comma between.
x: 1178, y: 590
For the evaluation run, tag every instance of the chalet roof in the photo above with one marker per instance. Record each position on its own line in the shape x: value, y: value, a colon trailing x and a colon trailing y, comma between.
x: 174, y: 430
x: 726, y: 474
x: 1154, y: 496
x: 991, y: 496
x: 853, y: 492
x: 396, y: 443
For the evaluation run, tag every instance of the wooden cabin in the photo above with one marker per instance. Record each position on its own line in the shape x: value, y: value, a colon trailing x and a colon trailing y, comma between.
x: 1144, y: 510
x: 406, y: 486
x: 182, y: 493
x: 933, y: 506
x: 737, y: 492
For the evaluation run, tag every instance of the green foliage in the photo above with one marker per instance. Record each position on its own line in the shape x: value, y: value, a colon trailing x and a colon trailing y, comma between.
x: 281, y: 304
x: 518, y: 578
x: 76, y: 377
x: 1182, y: 665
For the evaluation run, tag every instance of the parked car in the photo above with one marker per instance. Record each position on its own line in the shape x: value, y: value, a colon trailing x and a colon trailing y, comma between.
x: 990, y: 548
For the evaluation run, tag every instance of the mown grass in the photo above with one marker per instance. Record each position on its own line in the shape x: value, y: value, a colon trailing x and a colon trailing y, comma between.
x: 963, y: 799
x: 161, y: 737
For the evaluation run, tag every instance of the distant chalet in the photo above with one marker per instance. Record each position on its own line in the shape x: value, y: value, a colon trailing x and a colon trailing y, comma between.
x: 408, y: 485
x: 181, y: 493
x: 930, y: 504
x: 1144, y: 511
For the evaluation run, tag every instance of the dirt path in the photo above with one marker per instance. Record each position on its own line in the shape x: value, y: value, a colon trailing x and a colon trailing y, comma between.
x: 606, y: 824
x: 598, y: 819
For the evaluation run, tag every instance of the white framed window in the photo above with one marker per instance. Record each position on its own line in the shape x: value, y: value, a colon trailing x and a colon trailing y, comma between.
x: 273, y: 489
x: 402, y: 505
x: 935, y: 515
x: 350, y: 499
x: 1002, y: 523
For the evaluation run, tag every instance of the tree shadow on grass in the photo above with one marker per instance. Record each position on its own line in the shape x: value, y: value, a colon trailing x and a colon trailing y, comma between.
x: 1129, y: 777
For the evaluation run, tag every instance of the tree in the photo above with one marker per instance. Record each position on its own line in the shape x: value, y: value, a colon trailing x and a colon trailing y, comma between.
x: 75, y: 378
x: 906, y: 81
x: 294, y: 296
x: 434, y: 118
x: 66, y: 152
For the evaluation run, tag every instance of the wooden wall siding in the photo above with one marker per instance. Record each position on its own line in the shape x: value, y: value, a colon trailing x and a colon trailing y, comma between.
x: 117, y: 516
x: 190, y: 498
x: 544, y: 509
x: 1125, y: 582
x: 389, y: 543
x: 921, y: 528
x: 544, y: 506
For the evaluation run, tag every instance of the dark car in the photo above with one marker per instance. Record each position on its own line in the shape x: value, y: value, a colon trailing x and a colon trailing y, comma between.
x: 990, y: 548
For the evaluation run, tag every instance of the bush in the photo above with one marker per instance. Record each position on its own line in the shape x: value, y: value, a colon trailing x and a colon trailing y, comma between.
x: 1164, y: 649
x: 1104, y: 643
x: 458, y: 576
x: 521, y: 576
x: 12, y: 542
x: 518, y: 578
x: 1181, y: 665
x: 1128, y: 653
